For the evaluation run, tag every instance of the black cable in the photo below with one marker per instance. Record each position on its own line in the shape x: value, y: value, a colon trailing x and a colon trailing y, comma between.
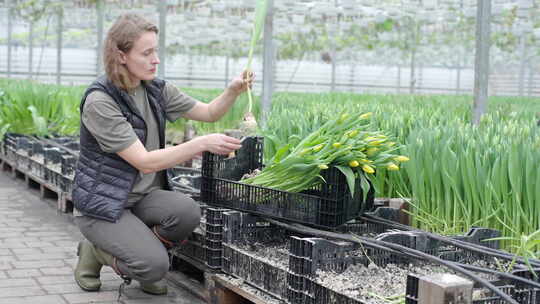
x: 500, y: 273
x: 452, y: 265
x: 477, y: 269
x: 401, y: 249
x: 458, y: 243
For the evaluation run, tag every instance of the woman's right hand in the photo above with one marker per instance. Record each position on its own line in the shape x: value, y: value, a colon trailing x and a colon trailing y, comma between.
x: 220, y: 143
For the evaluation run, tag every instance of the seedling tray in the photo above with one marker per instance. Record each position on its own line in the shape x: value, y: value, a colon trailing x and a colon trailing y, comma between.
x: 258, y: 252
x: 204, y: 245
x: 309, y: 257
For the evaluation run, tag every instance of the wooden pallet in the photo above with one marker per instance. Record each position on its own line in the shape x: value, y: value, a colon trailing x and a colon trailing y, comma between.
x: 47, y: 191
x: 216, y: 288
x: 10, y: 168
x: 225, y: 289
x: 65, y: 203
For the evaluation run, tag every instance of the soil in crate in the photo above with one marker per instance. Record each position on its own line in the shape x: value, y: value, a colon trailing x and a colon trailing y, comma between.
x: 274, y: 253
x: 374, y: 284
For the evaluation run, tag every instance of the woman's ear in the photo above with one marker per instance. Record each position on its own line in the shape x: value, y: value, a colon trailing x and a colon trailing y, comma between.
x: 122, y: 57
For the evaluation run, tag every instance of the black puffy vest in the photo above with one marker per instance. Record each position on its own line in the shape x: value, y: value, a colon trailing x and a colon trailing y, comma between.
x: 104, y: 180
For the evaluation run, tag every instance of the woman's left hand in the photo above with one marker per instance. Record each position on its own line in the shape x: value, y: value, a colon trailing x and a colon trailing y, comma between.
x: 240, y: 83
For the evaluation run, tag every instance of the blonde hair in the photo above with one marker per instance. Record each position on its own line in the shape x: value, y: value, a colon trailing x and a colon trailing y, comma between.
x: 121, y: 37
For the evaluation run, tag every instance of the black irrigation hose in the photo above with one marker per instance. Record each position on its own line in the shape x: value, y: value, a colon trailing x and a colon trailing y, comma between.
x: 500, y: 273
x: 458, y: 243
x: 396, y: 248
x: 452, y: 265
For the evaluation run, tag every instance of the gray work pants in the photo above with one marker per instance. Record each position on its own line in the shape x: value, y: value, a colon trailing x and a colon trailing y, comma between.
x: 140, y: 254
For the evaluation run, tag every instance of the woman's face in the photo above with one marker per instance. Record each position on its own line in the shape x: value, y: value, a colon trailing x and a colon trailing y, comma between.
x: 142, y: 60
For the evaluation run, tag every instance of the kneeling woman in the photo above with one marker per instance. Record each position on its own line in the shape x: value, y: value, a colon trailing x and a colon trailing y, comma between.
x: 127, y: 212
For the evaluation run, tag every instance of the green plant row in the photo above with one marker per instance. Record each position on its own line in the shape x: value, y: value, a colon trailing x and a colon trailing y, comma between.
x: 458, y: 175
x: 29, y: 107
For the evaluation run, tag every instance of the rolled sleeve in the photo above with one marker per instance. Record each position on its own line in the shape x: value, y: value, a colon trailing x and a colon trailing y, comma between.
x: 105, y: 121
x: 177, y: 102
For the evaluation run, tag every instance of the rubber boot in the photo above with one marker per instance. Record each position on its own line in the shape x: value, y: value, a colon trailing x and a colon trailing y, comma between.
x: 156, y: 288
x: 88, y: 267
x: 105, y: 259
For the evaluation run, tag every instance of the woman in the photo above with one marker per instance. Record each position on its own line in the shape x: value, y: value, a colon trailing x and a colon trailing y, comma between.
x: 128, y: 217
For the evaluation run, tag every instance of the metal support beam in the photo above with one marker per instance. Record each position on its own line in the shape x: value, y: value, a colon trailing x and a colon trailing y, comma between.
x: 460, y: 63
x: 481, y: 60
x: 531, y: 77
x: 60, y: 29
x: 9, y: 3
x: 268, y: 61
x: 351, y: 77
x: 333, y: 79
x: 162, y: 7
x: 226, y: 71
x: 412, y: 83
x: 522, y: 65
x: 416, y: 37
x: 99, y: 52
x: 30, y: 49
x: 398, y: 88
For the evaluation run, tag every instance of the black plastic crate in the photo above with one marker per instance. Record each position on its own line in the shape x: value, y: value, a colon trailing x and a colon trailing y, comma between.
x: 245, y: 228
x: 214, y: 216
x: 203, y: 246
x: 522, y: 292
x: 359, y: 226
x: 309, y: 255
x: 244, y: 234
x: 185, y: 180
x: 36, y: 168
x: 193, y: 247
x: 68, y: 165
x: 421, y: 241
x: 327, y: 205
x: 23, y: 151
x: 37, y: 160
x: 24, y: 144
x: 9, y: 144
x: 66, y: 184
x: 37, y: 148
x: 68, y: 142
x: 255, y: 271
x: 214, y: 237
x: 53, y: 156
x: 53, y: 165
x: 62, y: 139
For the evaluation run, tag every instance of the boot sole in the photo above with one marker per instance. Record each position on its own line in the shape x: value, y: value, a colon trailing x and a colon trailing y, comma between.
x: 86, y: 288
x: 155, y: 293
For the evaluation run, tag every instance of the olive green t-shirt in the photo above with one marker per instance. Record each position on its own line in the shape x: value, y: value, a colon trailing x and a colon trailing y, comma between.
x: 104, y: 120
